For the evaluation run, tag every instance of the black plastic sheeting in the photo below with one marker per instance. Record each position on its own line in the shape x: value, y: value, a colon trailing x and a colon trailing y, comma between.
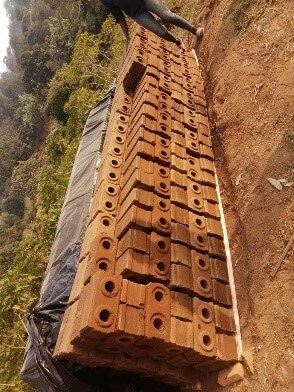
x: 39, y: 369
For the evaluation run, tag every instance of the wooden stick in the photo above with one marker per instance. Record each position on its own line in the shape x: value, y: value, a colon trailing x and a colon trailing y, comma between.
x: 290, y: 242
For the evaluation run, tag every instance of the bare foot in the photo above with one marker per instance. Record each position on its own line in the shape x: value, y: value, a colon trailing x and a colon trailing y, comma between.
x: 200, y: 32
x: 181, y: 45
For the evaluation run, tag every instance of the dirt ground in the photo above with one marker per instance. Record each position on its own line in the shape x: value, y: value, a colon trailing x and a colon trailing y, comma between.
x: 250, y: 89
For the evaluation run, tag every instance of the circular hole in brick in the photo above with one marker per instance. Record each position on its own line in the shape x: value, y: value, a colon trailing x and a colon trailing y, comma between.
x: 117, y: 150
x: 164, y: 106
x: 206, y: 313
x: 199, y: 222
x: 106, y: 244
x: 191, y: 121
x: 108, y: 205
x: 158, y: 295
x: 162, y: 204
x: 161, y: 266
x: 190, y: 102
x: 127, y: 100
x: 164, y: 117
x: 196, y: 202
x: 192, y: 135
x: 193, y: 173
x: 189, y: 94
x: 163, y: 221
x: 163, y: 186
x: 195, y: 188
x: 125, y: 108
x: 163, y: 142
x: 112, y: 175
x: 102, y: 265
x: 106, y: 222
x: 165, y: 85
x: 127, y: 356
x: 109, y: 286
x: 121, y: 128
x: 114, y: 163
x: 122, y: 118
x: 164, y: 97
x: 158, y: 323
x: 119, y: 139
x: 163, y: 153
x: 104, y: 316
x: 202, y: 263
x: 191, y: 162
x: 125, y: 340
x: 194, y: 145
x: 161, y: 245
x: 204, y: 284
x: 206, y: 340
x: 111, y: 190
x: 162, y: 172
x: 200, y: 239
x: 140, y: 60
x: 163, y: 128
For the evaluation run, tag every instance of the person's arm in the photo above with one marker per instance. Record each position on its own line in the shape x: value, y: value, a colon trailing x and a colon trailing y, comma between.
x: 125, y: 29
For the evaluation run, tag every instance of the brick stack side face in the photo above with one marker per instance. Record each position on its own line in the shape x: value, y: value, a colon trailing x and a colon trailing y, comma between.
x: 151, y: 293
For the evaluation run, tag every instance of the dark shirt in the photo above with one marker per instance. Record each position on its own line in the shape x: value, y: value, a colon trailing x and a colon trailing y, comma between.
x: 115, y: 7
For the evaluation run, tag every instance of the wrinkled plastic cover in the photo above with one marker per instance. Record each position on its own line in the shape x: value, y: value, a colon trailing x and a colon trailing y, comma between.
x: 39, y: 369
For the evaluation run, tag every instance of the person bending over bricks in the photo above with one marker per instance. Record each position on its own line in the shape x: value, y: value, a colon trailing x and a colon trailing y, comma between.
x: 142, y: 12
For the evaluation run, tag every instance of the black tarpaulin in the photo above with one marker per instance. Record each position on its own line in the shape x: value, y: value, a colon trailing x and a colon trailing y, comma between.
x: 39, y: 369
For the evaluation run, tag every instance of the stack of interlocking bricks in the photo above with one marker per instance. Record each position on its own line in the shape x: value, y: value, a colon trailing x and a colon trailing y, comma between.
x: 151, y: 293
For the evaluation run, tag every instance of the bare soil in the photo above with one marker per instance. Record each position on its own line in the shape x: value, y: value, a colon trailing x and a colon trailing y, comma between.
x: 250, y: 89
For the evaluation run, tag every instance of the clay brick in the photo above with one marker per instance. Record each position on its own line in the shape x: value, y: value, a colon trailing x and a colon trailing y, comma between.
x: 162, y: 150
x: 137, y: 163
x: 204, y: 328
x: 222, y: 293
x: 157, y: 312
x: 219, y: 270
x: 161, y: 181
x: 181, y: 306
x: 100, y: 358
x: 161, y: 215
x: 164, y: 84
x: 177, y: 179
x: 153, y: 71
x: 147, y: 83
x: 146, y: 97
x: 63, y: 348
x: 133, y: 294
x: 231, y: 375
x: 145, y: 109
x: 214, y: 228
x: 178, y: 196
x: 110, y: 170
x: 137, y: 179
x: 202, y: 120
x: 133, y: 239
x: 78, y: 282
x: 178, y: 150
x: 132, y: 264
x: 135, y: 218
x: 224, y: 320
x: 211, y: 210
x: 141, y: 134
x: 101, y: 307
x: 178, y: 164
x: 180, y: 254
x: 226, y: 347
x: 160, y: 255
x: 142, y: 122
x: 105, y: 199
x: 180, y: 234
x: 141, y: 148
x: 148, y: 365
x: 175, y: 94
x: 195, y: 200
x: 216, y: 248
x: 207, y: 165
x: 139, y: 198
x: 181, y: 333
x: 178, y: 128
x: 198, y: 232
x: 101, y: 255
x: 210, y: 194
x: 181, y: 278
x: 179, y: 215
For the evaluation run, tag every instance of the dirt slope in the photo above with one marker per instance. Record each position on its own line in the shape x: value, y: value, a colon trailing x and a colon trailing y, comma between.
x: 250, y: 91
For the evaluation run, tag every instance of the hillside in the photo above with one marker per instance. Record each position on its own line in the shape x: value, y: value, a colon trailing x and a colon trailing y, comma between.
x: 60, y: 70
